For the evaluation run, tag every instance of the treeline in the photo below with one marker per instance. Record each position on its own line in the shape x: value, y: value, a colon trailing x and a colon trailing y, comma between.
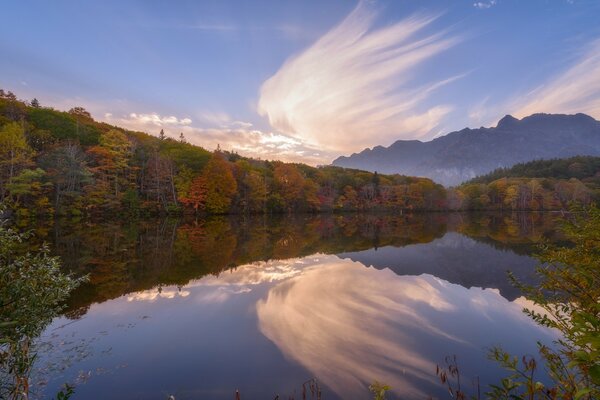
x: 65, y: 163
x: 584, y: 168
x: 536, y: 185
x: 68, y: 164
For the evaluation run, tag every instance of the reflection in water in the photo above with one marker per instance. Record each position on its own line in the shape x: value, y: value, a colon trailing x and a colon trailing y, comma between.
x: 350, y: 325
x: 126, y: 257
x: 199, y: 308
x: 454, y: 258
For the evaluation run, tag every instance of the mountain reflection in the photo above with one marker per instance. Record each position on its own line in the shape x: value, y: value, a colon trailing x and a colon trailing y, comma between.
x: 265, y: 327
x: 350, y: 325
x: 126, y: 257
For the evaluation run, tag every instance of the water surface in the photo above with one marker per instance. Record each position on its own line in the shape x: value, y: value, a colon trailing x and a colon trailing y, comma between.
x: 198, y: 309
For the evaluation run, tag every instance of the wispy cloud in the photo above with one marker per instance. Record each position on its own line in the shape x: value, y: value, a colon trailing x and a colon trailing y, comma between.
x: 483, y: 5
x: 352, y: 87
x: 575, y: 90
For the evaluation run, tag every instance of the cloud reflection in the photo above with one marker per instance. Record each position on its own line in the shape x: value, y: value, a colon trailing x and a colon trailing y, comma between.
x: 350, y: 325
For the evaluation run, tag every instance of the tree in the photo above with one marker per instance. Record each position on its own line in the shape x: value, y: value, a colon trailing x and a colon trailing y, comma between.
x: 32, y: 292
x: 567, y: 299
x: 80, y: 112
x: 348, y: 201
x: 289, y: 183
x: 182, y: 138
x: 162, y: 135
x: 116, y: 158
x: 30, y: 188
x: 220, y: 184
x: 256, y: 191
x: 15, y: 153
x: 66, y: 167
x: 570, y: 296
x: 196, y: 194
x: 35, y: 103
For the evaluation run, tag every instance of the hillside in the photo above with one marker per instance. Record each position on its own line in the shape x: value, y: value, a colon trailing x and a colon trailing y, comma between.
x: 585, y: 168
x: 463, y: 155
x: 536, y: 185
x: 66, y: 163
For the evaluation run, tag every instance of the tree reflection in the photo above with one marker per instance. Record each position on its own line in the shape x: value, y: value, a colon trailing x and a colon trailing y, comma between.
x: 130, y: 256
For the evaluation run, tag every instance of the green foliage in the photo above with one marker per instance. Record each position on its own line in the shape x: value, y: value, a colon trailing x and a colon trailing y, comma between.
x: 580, y: 167
x: 66, y: 393
x: 521, y: 384
x: 379, y: 389
x: 567, y: 300
x: 569, y: 294
x: 61, y: 125
x: 185, y: 154
x: 65, y: 126
x: 32, y: 292
x: 29, y: 184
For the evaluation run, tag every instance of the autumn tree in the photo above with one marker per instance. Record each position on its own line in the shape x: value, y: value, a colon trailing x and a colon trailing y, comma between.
x: 348, y: 201
x: 220, y: 184
x: 289, y: 183
x: 109, y: 163
x: 252, y: 187
x: 15, y: 153
x: 160, y: 179
x: 196, y: 194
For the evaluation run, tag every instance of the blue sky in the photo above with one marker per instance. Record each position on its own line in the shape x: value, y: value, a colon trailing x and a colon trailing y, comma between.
x: 304, y: 80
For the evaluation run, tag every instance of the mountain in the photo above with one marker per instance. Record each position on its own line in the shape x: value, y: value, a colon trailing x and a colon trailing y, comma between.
x: 465, y: 154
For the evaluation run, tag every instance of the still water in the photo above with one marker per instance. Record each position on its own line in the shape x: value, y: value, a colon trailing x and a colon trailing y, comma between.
x: 198, y: 309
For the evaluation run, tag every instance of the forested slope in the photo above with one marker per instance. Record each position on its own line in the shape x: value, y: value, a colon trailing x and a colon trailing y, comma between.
x: 66, y: 163
x: 536, y: 185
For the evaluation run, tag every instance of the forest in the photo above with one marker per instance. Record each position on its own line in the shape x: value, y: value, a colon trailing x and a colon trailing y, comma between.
x: 56, y: 163
x: 535, y: 185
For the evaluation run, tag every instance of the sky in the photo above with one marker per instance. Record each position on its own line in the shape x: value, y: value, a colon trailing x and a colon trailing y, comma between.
x: 303, y: 81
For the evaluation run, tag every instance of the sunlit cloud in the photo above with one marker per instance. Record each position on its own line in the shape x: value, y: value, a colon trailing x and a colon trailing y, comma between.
x: 573, y: 91
x: 158, y: 120
x: 219, y: 129
x: 350, y: 325
x: 353, y: 87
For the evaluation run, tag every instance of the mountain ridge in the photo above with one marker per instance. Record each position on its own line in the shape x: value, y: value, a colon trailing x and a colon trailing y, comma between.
x: 462, y: 155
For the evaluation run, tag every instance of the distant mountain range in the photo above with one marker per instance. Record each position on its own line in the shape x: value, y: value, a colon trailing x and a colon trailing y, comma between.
x: 465, y: 154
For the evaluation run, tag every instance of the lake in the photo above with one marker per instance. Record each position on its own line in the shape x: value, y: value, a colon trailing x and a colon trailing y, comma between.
x: 198, y: 309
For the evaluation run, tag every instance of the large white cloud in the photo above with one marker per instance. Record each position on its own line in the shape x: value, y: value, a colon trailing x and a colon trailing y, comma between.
x: 353, y: 88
